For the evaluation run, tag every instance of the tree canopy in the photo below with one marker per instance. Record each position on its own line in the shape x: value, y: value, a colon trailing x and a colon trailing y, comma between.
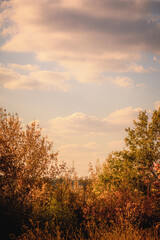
x: 24, y: 153
x: 138, y: 165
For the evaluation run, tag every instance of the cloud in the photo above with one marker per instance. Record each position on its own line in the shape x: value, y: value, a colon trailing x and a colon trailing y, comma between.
x: 122, y: 81
x: 34, y: 80
x: 156, y: 59
x: 77, y: 123
x: 157, y: 105
x: 27, y: 67
x: 139, y: 68
x: 139, y: 85
x: 86, y: 39
x: 86, y: 138
x: 123, y: 116
x: 82, y: 124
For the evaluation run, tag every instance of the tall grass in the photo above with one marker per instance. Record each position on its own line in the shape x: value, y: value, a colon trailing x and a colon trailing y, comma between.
x: 81, y: 212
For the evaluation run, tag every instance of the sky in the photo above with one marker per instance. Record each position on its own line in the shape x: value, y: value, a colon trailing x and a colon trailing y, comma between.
x: 83, y: 69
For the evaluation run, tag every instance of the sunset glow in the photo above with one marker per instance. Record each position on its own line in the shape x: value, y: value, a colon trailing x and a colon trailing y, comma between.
x: 82, y: 68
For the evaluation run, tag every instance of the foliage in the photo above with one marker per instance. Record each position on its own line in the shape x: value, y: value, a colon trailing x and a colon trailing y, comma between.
x: 40, y: 199
x: 24, y: 153
x: 26, y: 159
x: 137, y: 166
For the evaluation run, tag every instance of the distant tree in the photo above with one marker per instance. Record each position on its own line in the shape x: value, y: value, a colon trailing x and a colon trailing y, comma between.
x: 137, y: 166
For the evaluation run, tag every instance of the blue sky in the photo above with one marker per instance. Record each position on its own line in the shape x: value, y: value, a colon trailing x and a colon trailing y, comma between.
x: 82, y: 68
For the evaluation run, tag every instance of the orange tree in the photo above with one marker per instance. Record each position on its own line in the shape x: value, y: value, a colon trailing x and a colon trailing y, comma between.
x: 26, y: 158
x: 24, y: 152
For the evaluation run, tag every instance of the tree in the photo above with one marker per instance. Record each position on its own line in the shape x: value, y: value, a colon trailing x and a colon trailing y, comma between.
x: 138, y: 165
x: 24, y: 152
x: 26, y: 161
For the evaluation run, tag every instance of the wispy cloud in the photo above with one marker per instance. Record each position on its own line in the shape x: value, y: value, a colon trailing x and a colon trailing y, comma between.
x: 27, y: 67
x: 121, y: 81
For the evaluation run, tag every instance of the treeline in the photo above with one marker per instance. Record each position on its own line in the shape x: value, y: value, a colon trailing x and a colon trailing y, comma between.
x: 42, y: 199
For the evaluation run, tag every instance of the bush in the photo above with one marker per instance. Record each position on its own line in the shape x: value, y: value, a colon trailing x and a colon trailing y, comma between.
x: 40, y: 200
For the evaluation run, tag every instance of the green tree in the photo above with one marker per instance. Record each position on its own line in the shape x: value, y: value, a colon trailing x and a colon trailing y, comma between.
x: 138, y: 165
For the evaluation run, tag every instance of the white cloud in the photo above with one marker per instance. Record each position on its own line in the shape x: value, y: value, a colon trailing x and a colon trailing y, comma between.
x: 77, y: 123
x: 87, y: 138
x: 84, y: 125
x: 122, y: 81
x: 138, y: 68
x: 50, y: 79
x: 123, y: 116
x: 85, y: 38
x: 157, y: 105
x: 34, y: 80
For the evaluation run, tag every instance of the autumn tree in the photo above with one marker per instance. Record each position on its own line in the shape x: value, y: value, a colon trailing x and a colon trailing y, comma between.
x: 24, y: 152
x: 138, y: 165
x: 26, y: 160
